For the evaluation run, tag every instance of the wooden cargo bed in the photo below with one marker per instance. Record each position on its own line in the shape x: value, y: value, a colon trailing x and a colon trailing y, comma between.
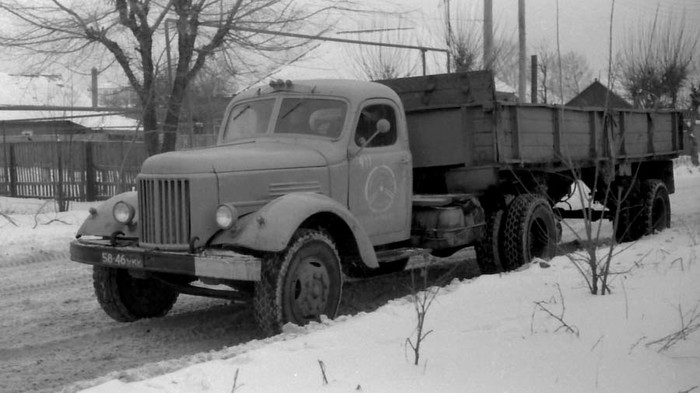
x: 459, y: 120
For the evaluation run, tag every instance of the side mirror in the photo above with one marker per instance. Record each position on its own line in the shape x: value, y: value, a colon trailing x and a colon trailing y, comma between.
x: 383, y: 126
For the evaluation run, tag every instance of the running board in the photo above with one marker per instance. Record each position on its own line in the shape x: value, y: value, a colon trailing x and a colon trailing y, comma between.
x: 232, y: 295
x: 388, y: 256
x: 418, y: 258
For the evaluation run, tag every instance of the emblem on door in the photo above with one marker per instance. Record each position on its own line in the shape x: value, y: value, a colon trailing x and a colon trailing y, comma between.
x: 380, y: 189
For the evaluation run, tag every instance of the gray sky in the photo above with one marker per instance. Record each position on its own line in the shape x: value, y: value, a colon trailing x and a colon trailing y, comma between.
x: 584, y: 27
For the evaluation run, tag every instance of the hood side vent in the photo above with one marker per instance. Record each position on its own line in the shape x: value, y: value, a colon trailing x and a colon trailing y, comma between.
x: 279, y: 189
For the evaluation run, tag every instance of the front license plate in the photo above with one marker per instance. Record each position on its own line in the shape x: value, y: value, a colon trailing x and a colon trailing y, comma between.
x: 120, y: 259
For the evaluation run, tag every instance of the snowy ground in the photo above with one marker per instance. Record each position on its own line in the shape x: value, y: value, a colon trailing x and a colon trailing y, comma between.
x: 488, y: 334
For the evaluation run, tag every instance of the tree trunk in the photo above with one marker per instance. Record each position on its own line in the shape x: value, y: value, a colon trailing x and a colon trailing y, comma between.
x: 150, y: 128
x: 172, y: 116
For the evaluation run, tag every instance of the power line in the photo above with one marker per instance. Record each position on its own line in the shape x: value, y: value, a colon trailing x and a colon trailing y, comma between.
x: 374, y: 30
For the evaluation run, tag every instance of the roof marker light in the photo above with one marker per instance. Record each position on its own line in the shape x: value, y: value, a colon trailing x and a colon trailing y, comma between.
x: 281, y: 84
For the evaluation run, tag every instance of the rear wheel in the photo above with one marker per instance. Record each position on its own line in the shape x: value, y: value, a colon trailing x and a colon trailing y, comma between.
x: 299, y: 284
x: 657, y: 214
x: 647, y: 210
x: 127, y: 299
x: 529, y: 231
x: 488, y: 254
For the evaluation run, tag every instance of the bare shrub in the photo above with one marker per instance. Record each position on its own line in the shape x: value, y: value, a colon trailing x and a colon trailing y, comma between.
x: 323, y: 371
x: 422, y: 298
x: 546, y: 307
x: 235, y: 382
x: 690, y: 322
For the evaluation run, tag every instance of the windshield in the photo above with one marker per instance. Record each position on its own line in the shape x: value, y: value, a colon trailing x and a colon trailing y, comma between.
x: 311, y: 117
x: 248, y: 119
x: 298, y: 116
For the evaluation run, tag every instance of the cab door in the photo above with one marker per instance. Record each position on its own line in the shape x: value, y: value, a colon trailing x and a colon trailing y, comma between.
x: 380, y: 181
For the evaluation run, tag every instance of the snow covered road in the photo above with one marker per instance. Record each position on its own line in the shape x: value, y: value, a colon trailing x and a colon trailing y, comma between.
x: 53, y: 332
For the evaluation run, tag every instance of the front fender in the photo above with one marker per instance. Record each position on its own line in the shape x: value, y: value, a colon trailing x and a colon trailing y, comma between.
x: 102, y: 223
x: 270, y: 228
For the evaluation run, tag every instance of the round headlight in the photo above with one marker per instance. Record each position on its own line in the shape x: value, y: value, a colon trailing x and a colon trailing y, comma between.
x: 226, y: 216
x: 123, y: 212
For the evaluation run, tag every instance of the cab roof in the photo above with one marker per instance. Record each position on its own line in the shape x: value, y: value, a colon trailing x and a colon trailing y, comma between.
x: 353, y: 90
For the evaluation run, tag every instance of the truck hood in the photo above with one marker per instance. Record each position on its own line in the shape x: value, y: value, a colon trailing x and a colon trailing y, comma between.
x: 240, y: 157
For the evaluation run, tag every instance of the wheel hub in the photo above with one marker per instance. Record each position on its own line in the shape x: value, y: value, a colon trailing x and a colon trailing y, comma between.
x: 312, y: 290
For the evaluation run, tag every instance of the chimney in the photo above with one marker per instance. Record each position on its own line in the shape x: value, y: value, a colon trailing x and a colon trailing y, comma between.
x: 94, y: 87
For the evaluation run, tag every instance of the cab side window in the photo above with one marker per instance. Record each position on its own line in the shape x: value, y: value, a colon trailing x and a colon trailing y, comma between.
x: 367, y: 126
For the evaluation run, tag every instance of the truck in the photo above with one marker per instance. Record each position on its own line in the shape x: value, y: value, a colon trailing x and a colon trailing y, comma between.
x: 312, y: 183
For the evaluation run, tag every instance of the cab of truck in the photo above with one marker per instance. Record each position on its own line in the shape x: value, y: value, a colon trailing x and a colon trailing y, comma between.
x: 365, y: 168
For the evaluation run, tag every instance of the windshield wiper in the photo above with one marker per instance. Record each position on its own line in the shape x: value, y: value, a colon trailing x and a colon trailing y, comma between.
x: 292, y: 109
x: 241, y: 112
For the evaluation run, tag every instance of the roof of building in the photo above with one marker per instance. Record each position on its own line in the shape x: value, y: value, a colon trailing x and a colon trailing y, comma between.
x: 596, y: 95
x: 37, y: 97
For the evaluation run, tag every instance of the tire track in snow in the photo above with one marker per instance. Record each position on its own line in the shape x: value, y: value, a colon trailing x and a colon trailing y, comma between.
x: 54, y: 333
x: 47, y: 284
x: 33, y: 259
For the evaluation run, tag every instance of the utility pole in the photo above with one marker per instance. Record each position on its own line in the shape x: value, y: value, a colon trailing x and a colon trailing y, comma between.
x: 488, y: 35
x: 448, y: 19
x: 522, y: 58
x: 533, y: 79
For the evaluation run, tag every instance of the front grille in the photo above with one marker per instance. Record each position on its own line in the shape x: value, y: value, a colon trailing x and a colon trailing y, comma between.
x: 164, y: 212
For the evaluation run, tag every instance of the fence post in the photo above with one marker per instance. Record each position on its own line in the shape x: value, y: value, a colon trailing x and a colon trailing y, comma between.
x: 90, y: 174
x: 59, y: 193
x: 13, y: 171
x: 121, y: 187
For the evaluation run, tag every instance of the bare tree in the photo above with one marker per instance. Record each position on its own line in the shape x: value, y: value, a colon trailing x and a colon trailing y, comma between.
x: 464, y: 39
x: 546, y: 66
x: 381, y: 62
x: 657, y: 61
x: 131, y: 33
x: 575, y: 75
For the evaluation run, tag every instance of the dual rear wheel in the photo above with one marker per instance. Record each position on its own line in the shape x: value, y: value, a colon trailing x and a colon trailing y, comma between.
x: 526, y: 229
x: 646, y: 210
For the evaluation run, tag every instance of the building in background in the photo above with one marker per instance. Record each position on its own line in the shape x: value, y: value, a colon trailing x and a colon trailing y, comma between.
x: 45, y: 107
x: 596, y: 94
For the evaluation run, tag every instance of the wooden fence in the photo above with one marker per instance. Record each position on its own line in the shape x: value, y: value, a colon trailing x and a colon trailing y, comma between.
x: 76, y: 170
x: 70, y: 170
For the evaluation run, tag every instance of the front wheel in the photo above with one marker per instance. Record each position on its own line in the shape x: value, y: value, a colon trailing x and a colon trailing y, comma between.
x: 299, y: 284
x: 127, y: 299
